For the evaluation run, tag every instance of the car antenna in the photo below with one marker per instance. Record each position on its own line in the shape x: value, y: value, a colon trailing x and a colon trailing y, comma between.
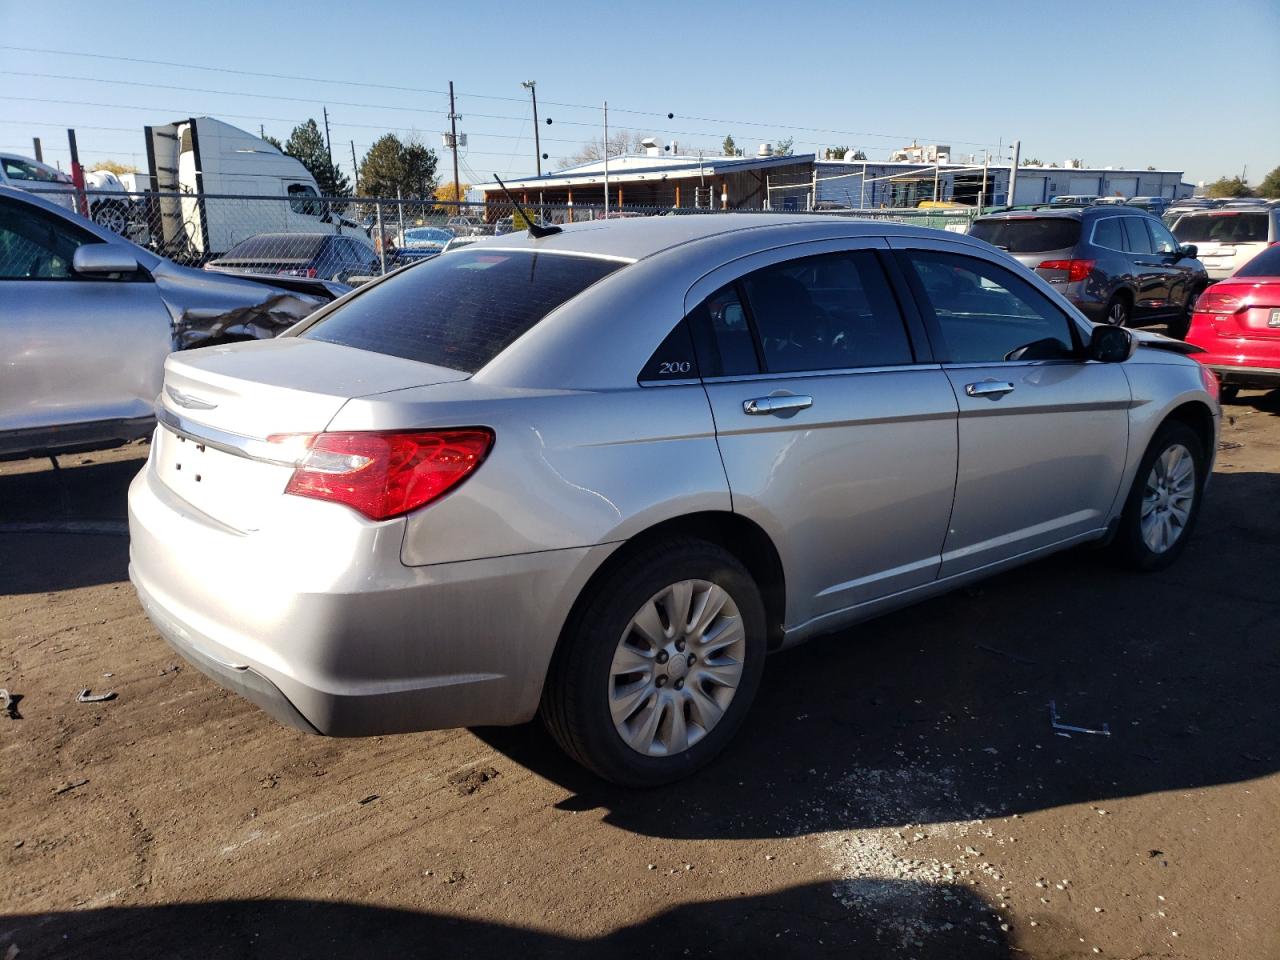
x: 535, y: 231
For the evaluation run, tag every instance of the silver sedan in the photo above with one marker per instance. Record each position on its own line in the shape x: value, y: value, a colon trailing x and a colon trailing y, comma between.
x: 599, y: 474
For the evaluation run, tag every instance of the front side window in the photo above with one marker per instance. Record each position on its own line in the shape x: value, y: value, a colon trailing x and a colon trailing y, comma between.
x: 35, y: 244
x: 1161, y: 239
x: 462, y: 310
x: 984, y: 313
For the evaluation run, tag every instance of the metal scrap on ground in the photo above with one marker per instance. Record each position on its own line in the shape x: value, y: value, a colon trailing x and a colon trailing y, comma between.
x: 1066, y: 729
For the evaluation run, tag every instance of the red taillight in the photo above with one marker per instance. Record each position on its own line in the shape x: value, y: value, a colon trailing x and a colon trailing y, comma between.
x: 1210, y: 380
x: 1222, y: 301
x: 383, y: 475
x: 1076, y: 269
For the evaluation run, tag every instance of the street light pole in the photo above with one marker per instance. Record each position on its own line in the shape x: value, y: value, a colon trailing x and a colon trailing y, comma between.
x: 532, y: 87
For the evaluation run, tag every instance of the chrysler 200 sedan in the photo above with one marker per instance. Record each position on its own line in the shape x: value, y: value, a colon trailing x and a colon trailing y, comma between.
x: 599, y: 474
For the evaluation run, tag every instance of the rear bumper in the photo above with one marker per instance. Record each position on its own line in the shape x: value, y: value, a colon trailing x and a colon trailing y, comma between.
x: 1249, y: 377
x: 335, y: 635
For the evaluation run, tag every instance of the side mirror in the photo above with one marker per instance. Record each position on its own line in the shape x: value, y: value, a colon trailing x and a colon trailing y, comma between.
x: 1111, y: 344
x: 93, y: 258
x: 1189, y: 250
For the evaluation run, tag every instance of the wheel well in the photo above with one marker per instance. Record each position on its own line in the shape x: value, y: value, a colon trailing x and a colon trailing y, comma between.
x: 740, y: 536
x: 1124, y: 293
x: 1198, y: 417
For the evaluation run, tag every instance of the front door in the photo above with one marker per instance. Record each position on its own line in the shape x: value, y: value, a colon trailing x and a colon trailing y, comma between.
x: 837, y: 433
x: 76, y: 350
x: 1043, y: 433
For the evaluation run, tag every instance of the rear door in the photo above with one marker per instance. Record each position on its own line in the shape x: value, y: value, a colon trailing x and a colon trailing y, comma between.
x: 1042, y: 432
x: 836, y: 429
x: 75, y: 350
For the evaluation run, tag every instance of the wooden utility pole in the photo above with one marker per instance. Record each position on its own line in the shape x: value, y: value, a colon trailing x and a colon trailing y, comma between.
x: 35, y: 142
x: 453, y: 140
x: 355, y: 169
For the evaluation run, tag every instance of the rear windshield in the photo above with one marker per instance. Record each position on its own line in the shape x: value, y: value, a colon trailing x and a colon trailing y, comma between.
x: 1265, y: 264
x: 277, y: 246
x: 1222, y: 227
x: 462, y: 310
x: 1029, y: 235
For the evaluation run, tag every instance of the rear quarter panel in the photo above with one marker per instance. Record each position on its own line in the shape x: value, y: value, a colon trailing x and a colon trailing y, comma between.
x: 568, y: 468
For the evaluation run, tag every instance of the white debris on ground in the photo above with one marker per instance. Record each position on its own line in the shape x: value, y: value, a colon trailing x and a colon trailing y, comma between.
x: 909, y: 897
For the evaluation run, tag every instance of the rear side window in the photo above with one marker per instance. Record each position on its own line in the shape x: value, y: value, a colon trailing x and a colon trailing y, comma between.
x: 462, y: 310
x: 830, y: 312
x: 1137, y: 240
x: 1265, y: 264
x: 1028, y: 234
x: 1224, y: 227
x: 725, y: 344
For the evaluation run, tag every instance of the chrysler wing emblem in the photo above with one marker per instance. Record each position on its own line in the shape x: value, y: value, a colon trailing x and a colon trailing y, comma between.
x: 188, y: 401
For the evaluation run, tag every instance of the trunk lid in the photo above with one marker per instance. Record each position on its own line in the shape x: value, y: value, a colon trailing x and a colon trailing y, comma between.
x: 218, y: 406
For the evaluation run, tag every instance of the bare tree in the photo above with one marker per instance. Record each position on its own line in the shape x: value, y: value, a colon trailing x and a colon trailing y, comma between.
x: 620, y: 142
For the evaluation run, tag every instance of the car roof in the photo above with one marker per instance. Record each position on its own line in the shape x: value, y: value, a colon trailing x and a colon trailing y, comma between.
x: 640, y: 237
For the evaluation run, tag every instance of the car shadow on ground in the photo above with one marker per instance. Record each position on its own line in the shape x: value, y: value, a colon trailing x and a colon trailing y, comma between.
x: 1263, y: 402
x: 940, y: 712
x: 68, y: 525
x: 818, y: 920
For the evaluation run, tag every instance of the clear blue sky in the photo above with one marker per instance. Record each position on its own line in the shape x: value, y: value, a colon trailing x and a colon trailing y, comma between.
x: 1180, y: 85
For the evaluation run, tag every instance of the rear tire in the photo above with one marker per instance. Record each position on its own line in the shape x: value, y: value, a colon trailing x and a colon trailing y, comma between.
x: 1164, y: 503
x: 1118, y: 312
x: 640, y: 699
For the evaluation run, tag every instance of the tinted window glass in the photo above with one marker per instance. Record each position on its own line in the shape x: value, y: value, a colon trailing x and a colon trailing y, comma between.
x: 462, y: 310
x: 1161, y: 239
x: 1107, y: 233
x: 826, y: 313
x: 1028, y: 234
x: 35, y: 244
x: 1265, y: 264
x: 674, y: 359
x: 1222, y: 227
x: 985, y: 313
x: 298, y: 192
x: 278, y: 246
x: 1137, y: 240
x: 723, y: 339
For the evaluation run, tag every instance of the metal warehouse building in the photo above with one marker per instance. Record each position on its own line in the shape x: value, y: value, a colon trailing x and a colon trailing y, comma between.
x: 875, y: 184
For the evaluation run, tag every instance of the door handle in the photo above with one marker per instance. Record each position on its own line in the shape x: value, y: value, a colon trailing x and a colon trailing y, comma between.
x: 995, y: 389
x: 784, y: 404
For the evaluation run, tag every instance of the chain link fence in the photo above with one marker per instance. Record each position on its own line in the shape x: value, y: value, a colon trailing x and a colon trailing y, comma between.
x: 348, y: 239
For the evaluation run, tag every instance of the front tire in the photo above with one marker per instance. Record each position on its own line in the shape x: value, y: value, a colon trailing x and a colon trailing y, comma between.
x: 1164, y: 502
x: 657, y: 669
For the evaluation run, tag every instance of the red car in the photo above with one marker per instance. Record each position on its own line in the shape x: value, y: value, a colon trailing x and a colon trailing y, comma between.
x: 1237, y: 322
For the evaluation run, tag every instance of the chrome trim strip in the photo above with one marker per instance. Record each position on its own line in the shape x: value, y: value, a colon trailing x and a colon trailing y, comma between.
x: 249, y: 448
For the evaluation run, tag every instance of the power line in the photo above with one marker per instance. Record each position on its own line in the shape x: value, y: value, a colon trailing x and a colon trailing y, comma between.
x: 426, y: 90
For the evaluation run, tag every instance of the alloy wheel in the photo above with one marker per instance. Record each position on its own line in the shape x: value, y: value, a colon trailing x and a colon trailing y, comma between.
x: 676, y: 668
x: 1167, y: 498
x: 1117, y: 314
x: 110, y: 215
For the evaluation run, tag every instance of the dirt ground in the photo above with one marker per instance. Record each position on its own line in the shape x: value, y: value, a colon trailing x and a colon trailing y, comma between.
x: 896, y: 792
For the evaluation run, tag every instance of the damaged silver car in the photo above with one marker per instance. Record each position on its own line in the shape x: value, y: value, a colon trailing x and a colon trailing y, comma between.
x: 87, y: 318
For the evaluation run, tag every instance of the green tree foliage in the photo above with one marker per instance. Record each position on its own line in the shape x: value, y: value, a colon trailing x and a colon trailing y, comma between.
x: 730, y: 148
x: 1270, y: 185
x: 785, y: 147
x: 273, y: 141
x: 1229, y: 187
x: 306, y: 143
x: 393, y: 165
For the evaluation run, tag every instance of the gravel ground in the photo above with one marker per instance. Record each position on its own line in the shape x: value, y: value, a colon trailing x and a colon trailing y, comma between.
x: 896, y: 792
